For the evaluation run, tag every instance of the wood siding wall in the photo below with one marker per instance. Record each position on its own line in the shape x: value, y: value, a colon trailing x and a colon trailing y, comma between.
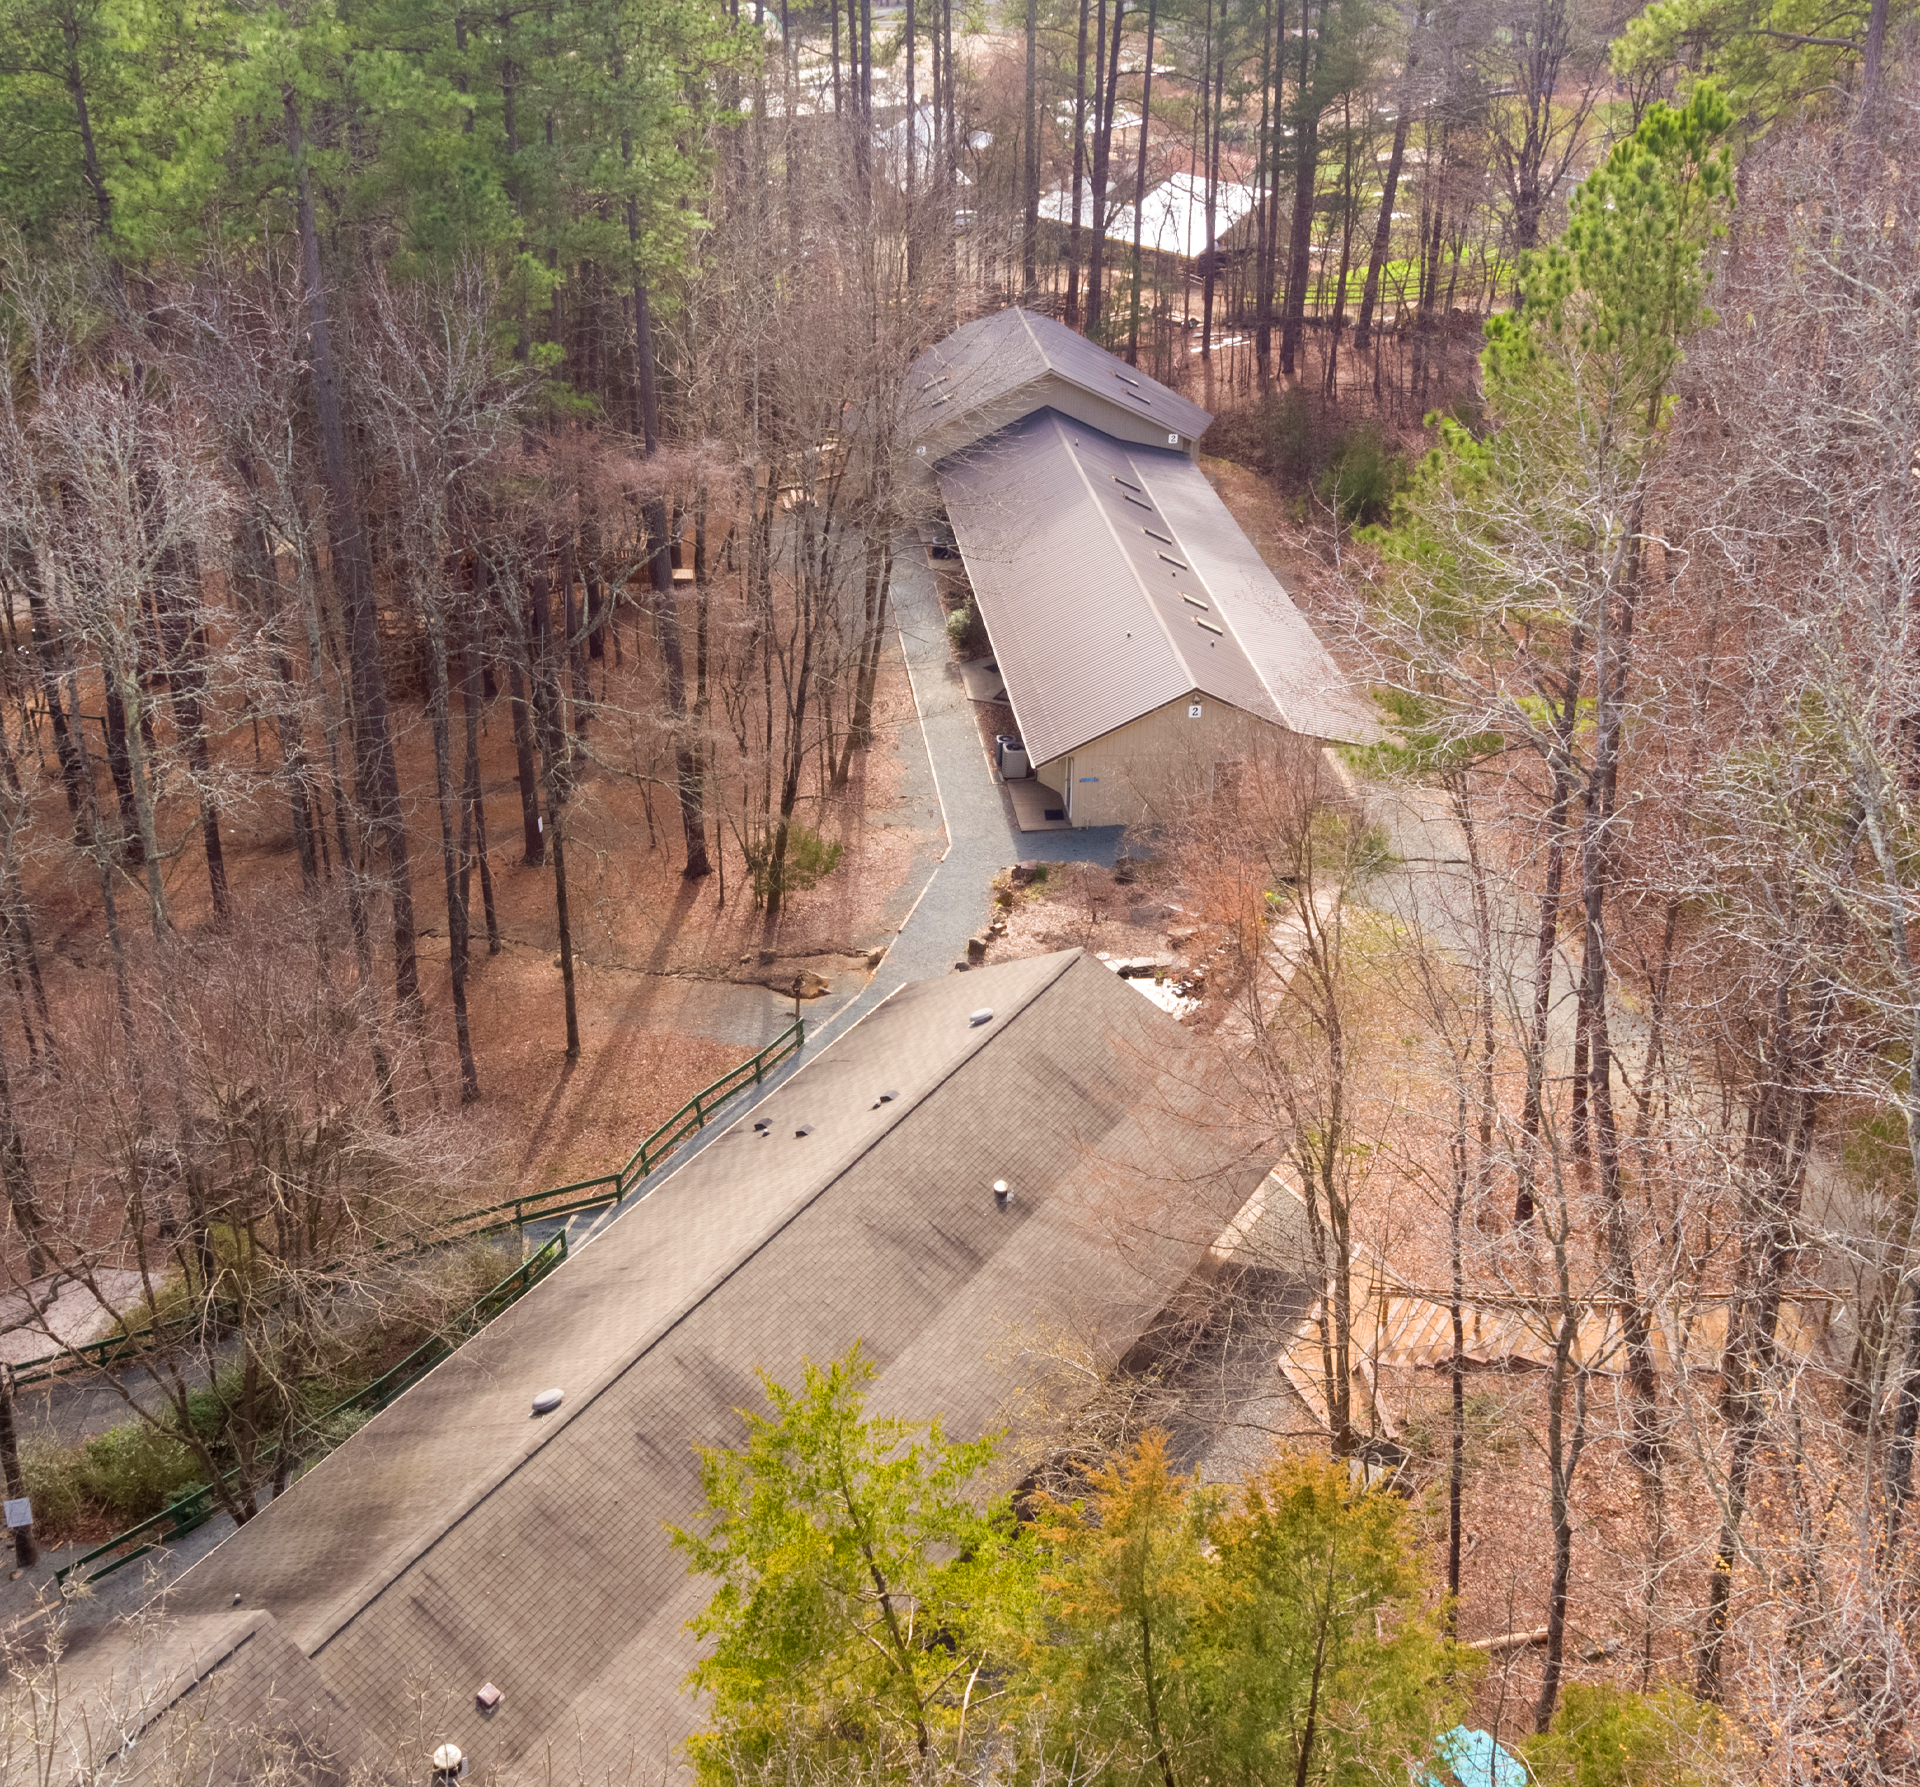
x: 1156, y: 764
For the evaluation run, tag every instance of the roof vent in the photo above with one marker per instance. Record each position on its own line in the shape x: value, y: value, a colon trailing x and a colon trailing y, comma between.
x: 983, y: 1016
x: 1002, y: 1193
x: 764, y: 1124
x: 487, y: 1697
x: 448, y: 1764
x: 804, y: 1129
x: 547, y: 1401
x: 884, y: 1098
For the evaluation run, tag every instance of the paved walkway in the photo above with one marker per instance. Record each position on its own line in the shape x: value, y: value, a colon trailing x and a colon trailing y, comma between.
x: 956, y: 898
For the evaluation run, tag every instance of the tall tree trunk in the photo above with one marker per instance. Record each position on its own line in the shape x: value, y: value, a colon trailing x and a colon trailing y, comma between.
x: 46, y: 657
x: 1212, y: 63
x: 1030, y: 170
x: 1612, y: 658
x: 26, y: 1552
x: 1306, y: 173
x: 534, y: 854
x: 15, y: 926
x: 256, y: 563
x: 1140, y: 185
x: 912, y: 133
x: 876, y: 585
x: 1349, y: 205
x: 343, y: 842
x: 120, y: 768
x: 1547, y: 936
x: 457, y: 914
x: 555, y: 776
x: 83, y: 121
x: 117, y: 675
x: 473, y: 816
x: 1079, y: 168
x: 664, y: 608
x: 1563, y: 1456
x: 23, y: 1198
x: 1263, y: 171
x: 1383, y: 230
x: 1269, y: 277
x: 184, y: 647
x: 1106, y: 85
x: 376, y: 777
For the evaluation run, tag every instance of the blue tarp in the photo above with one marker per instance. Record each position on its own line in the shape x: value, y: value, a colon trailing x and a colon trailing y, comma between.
x: 1474, y: 1759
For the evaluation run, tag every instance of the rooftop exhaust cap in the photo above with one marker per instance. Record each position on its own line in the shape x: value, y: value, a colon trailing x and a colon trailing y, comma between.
x: 448, y: 1764
x: 983, y: 1016
x: 547, y: 1401
x: 1002, y: 1193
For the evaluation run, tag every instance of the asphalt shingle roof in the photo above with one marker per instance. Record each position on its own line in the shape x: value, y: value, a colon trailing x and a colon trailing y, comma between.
x: 456, y: 1539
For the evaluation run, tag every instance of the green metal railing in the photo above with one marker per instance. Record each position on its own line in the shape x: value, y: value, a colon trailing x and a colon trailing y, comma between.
x: 95, y: 1355
x: 494, y: 1219
x: 199, y: 1505
x: 611, y: 1188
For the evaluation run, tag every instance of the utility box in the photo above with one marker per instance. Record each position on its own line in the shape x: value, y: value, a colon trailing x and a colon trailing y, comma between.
x: 1011, y: 756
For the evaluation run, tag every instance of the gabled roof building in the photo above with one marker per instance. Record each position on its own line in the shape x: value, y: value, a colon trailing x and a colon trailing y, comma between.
x: 460, y: 1540
x: 1144, y: 644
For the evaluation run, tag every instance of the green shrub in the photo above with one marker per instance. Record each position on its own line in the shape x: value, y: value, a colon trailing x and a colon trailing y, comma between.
x: 1604, y: 1736
x: 1363, y: 478
x: 964, y: 630
x: 134, y: 1470
x: 1292, y: 437
x: 117, y: 1478
x: 810, y: 858
x: 53, y: 1487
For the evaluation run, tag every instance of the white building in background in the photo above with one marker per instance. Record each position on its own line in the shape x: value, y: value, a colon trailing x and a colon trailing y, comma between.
x: 890, y: 149
x: 1173, y: 216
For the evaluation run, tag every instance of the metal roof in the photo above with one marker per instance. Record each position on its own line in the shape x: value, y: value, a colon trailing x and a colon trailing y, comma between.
x: 456, y: 1540
x: 1173, y: 216
x: 1113, y: 580
x: 983, y: 362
